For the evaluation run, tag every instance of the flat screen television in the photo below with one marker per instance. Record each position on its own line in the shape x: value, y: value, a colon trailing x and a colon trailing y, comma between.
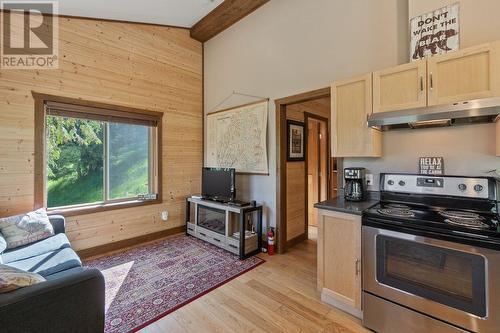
x: 218, y: 184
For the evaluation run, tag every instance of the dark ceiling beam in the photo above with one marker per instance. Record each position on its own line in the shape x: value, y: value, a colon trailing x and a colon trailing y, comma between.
x: 222, y: 17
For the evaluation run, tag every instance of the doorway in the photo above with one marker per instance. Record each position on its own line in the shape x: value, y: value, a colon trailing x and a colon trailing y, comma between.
x: 317, y: 169
x: 292, y: 200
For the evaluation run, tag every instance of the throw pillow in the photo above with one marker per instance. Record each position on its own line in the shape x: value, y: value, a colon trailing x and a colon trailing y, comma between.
x: 14, y: 278
x: 26, y: 228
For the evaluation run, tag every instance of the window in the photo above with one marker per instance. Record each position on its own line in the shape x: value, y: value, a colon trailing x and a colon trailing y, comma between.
x: 95, y: 157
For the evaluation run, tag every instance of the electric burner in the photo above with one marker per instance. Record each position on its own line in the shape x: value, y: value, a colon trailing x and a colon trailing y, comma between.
x: 464, y: 219
x: 475, y: 224
x: 396, y: 212
x: 457, y: 214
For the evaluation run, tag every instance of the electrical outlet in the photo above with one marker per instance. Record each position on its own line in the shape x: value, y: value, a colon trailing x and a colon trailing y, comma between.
x: 369, y: 179
x: 164, y: 215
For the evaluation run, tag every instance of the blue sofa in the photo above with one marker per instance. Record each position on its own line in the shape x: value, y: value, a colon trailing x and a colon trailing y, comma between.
x: 72, y: 298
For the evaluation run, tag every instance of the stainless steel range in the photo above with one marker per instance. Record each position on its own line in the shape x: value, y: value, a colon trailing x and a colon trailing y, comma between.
x: 431, y: 255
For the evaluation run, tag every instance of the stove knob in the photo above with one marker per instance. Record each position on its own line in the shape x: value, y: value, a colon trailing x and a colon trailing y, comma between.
x: 478, y: 188
x: 402, y: 183
x: 390, y: 182
x: 462, y: 187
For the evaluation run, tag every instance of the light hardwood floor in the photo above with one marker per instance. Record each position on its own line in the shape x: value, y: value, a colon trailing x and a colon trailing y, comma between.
x: 277, y: 296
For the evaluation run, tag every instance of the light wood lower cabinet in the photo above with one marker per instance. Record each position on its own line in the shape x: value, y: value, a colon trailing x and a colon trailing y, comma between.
x: 339, y: 260
x: 351, y: 105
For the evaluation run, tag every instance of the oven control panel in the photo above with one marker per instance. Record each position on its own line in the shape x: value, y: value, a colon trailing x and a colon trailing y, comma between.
x: 436, y: 185
x: 430, y: 182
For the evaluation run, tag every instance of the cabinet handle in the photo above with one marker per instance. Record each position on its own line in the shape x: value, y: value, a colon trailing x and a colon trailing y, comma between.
x: 356, y: 265
x: 233, y: 246
x: 217, y: 240
x: 203, y: 234
x: 421, y: 83
x: 431, y: 81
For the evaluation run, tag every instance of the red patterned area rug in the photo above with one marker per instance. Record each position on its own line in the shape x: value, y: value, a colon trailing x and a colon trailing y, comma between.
x: 148, y: 282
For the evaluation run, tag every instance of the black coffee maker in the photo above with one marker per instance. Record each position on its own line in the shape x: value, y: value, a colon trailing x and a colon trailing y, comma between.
x: 355, y: 184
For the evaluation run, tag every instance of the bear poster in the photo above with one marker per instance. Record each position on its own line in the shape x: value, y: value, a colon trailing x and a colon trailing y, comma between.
x: 434, y: 33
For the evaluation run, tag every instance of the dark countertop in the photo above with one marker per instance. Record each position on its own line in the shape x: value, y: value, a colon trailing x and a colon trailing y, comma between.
x: 339, y: 204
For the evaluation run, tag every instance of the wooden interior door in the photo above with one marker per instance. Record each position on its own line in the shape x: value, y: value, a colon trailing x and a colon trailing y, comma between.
x: 463, y: 75
x: 351, y: 105
x: 317, y: 165
x: 400, y: 87
x: 313, y: 172
x: 323, y: 161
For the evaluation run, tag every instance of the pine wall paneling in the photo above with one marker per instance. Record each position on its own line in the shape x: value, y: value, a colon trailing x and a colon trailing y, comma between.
x: 142, y: 66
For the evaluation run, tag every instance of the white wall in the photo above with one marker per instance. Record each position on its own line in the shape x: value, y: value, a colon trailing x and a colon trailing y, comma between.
x: 292, y: 46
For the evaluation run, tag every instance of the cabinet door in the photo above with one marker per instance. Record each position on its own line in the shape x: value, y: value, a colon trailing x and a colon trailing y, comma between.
x: 339, y: 257
x: 400, y: 87
x: 351, y: 105
x: 463, y: 75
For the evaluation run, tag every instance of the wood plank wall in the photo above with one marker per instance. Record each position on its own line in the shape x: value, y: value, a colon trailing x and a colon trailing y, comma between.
x: 142, y: 66
x: 295, y: 171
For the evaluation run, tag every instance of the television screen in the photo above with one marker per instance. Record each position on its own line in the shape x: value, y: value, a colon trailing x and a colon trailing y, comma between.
x: 218, y: 184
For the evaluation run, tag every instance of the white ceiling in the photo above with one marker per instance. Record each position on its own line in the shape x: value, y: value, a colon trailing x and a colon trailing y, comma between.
x: 182, y: 13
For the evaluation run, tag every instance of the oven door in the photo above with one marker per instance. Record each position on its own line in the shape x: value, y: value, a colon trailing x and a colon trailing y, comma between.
x: 446, y: 280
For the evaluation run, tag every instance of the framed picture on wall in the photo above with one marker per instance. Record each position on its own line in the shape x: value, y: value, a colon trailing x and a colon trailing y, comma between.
x: 296, y: 144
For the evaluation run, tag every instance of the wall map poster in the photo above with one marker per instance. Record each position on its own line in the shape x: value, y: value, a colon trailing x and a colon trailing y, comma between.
x: 237, y: 138
x: 431, y: 165
x: 434, y: 33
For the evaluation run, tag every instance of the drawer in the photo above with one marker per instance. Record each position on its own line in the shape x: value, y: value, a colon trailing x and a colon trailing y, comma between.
x: 234, y: 248
x: 191, y: 229
x: 211, y: 237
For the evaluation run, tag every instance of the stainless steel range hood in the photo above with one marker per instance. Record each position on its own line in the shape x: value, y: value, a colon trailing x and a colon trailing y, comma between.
x: 468, y: 112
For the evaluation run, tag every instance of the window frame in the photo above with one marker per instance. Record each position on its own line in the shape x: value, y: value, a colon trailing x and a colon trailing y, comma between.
x: 77, y: 108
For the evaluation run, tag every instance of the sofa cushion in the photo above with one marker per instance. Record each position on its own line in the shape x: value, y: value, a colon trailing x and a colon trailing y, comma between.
x: 62, y: 274
x: 12, y: 278
x: 57, y: 242
x: 50, y: 262
x: 26, y: 228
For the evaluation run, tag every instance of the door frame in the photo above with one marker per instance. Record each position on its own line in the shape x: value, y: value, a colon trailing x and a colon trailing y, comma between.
x: 281, y: 146
x: 307, y: 116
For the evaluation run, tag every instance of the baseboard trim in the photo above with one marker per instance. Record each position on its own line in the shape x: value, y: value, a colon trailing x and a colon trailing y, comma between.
x: 105, y: 248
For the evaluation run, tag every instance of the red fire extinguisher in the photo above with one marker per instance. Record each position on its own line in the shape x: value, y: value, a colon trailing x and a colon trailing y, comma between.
x: 270, y: 241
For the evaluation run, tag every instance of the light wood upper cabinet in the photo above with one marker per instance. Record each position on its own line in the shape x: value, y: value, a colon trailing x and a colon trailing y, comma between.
x: 351, y: 105
x: 339, y: 260
x: 466, y: 74
x: 400, y: 87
